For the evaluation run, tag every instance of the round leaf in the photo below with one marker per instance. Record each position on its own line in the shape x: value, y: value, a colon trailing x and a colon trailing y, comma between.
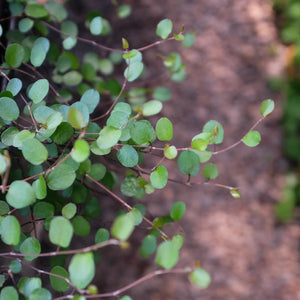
x: 210, y: 171
x: 252, y: 138
x: 122, y: 227
x: 170, y: 152
x: 102, y: 235
x: 58, y: 236
x: 149, y: 244
x: 62, y: 134
x: 14, y: 86
x: 15, y: 266
x: 30, y: 246
x: 162, y: 93
x: 164, y: 28
x: 39, y: 51
x: 81, y: 151
x: 82, y: 269
x: 200, y: 277
x: 61, y: 177
x: 152, y: 107
x: 36, y: 11
x: 69, y: 210
x: 91, y: 99
x: 108, y: 137
x: 43, y: 209
x: 128, y: 156
x: 9, y: 110
x: 8, y: 293
x: 96, y: 26
x: 167, y: 255
x: 267, y: 107
x: 81, y: 226
x: 39, y: 294
x: 39, y: 90
x: 133, y: 71
x: 34, y: 151
x: 177, y: 211
x: 27, y: 285
x: 142, y: 132
x: 164, y: 129
x: 14, y: 55
x: 217, y: 131
x: 159, y: 177
x: 40, y: 188
x: 10, y: 230
x: 57, y: 283
x: 76, y: 118
x: 20, y: 194
x: 56, y: 10
x: 188, y: 163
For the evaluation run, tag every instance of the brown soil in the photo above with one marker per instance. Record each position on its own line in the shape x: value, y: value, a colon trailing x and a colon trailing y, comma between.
x: 238, y: 241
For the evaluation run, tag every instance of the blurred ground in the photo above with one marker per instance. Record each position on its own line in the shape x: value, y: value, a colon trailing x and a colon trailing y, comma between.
x: 248, y: 255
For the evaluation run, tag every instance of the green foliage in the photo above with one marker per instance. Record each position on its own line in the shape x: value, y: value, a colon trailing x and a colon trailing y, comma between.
x: 62, y: 149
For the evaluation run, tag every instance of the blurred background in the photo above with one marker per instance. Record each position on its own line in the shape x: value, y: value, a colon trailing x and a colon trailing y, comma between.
x: 244, y: 52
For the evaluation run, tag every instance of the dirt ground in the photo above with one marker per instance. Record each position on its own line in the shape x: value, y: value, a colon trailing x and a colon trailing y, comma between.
x: 238, y: 241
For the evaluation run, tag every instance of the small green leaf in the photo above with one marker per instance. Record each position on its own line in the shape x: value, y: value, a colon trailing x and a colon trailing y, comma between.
x: 27, y: 285
x: 82, y: 269
x: 14, y: 86
x: 170, y: 152
x: 167, y: 255
x: 210, y: 171
x: 235, y: 193
x: 128, y: 156
x: 179, y: 37
x: 136, y: 216
x: 43, y: 209
x: 149, y: 244
x: 40, y: 293
x: 9, y: 293
x: 40, y: 188
x: 20, y: 194
x: 14, y: 55
x: 61, y: 177
x: 125, y: 43
x: 21, y: 137
x: 56, y: 10
x: 81, y: 226
x: 72, y: 78
x: 62, y: 134
x: 10, y: 230
x: 58, y: 236
x: 96, y: 26
x: 188, y: 163
x: 36, y: 11
x: 109, y: 136
x: 164, y: 28
x: 122, y: 227
x: 162, y: 93
x: 178, y: 240
x: 252, y: 138
x: 152, y: 108
x: 97, y: 171
x: 4, y: 208
x: 39, y: 51
x: 200, y: 277
x: 57, y: 283
x: 76, y: 118
x: 164, y: 129
x: 15, y: 266
x: 217, y: 131
x: 69, y: 210
x: 117, y: 119
x: 34, y: 151
x: 133, y: 71
x: 124, y: 11
x: 142, y: 132
x: 81, y: 151
x: 91, y: 99
x: 9, y: 110
x: 159, y: 177
x: 189, y: 39
x: 30, y: 246
x: 177, y: 211
x: 39, y: 90
x: 101, y: 235
x: 267, y: 107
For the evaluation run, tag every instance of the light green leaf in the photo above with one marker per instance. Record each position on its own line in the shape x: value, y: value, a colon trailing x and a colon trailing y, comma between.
x: 34, y: 151
x: 1, y: 30
x: 267, y: 107
x: 136, y: 216
x: 56, y: 10
x: 40, y: 188
x: 142, y: 132
x: 82, y: 269
x: 149, y: 244
x: 59, y: 284
x: 81, y: 150
x: 69, y: 210
x: 91, y: 99
x: 76, y: 118
x: 128, y: 156
x: 40, y: 293
x: 42, y: 113
x: 109, y: 136
x: 96, y: 26
x: 22, y: 136
x: 30, y: 246
x: 124, y: 11
x: 58, y: 236
x: 9, y: 293
x: 164, y: 129
x: 188, y: 163
x: 170, y: 152
x: 217, y: 131
x: 152, y: 107
x: 36, y: 11
x: 133, y: 56
x: 14, y: 86
x: 61, y: 177
x: 39, y: 51
x: 39, y: 90
x: 20, y: 194
x: 27, y: 285
x: 133, y: 71
x: 189, y: 39
x: 159, y: 177
x: 162, y: 93
x: 72, y: 78
x: 14, y: 55
x: 167, y: 255
x: 177, y: 211
x: 210, y: 171
x: 164, y: 28
x: 8, y: 135
x: 10, y: 230
x: 15, y: 266
x: 235, y: 193
x: 9, y: 110
x: 3, y: 164
x: 178, y: 240
x: 252, y: 138
x: 117, y: 119
x: 122, y: 227
x: 200, y: 277
x: 54, y: 120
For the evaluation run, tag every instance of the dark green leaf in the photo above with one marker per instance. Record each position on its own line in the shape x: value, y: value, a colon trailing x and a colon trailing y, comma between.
x: 57, y: 283
x: 128, y: 156
x: 177, y: 211
x: 188, y: 163
x: 149, y: 244
x: 102, y: 235
x: 30, y: 246
x: 9, y: 293
x: 14, y: 55
x: 210, y: 171
x: 81, y: 226
x: 43, y: 209
x: 142, y: 132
